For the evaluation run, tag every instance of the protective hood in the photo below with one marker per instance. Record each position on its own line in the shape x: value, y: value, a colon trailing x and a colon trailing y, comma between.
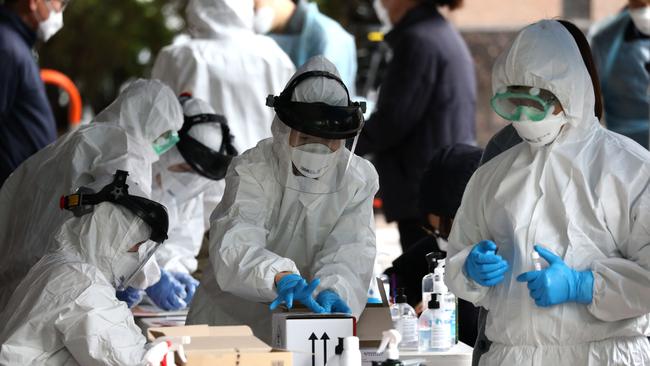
x: 545, y: 55
x: 103, y: 237
x: 145, y: 109
x: 311, y: 90
x: 217, y: 18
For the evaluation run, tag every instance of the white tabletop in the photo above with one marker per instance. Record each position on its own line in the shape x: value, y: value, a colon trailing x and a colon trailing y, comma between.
x: 458, y: 355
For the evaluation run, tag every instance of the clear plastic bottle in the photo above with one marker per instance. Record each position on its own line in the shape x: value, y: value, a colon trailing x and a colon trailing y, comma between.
x: 448, y: 301
x: 405, y: 321
x: 435, y: 260
x: 434, y: 327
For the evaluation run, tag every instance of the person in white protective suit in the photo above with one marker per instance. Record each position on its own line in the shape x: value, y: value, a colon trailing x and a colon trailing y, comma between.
x: 181, y: 178
x: 228, y: 65
x: 297, y: 207
x: 572, y: 192
x: 64, y: 312
x: 128, y: 135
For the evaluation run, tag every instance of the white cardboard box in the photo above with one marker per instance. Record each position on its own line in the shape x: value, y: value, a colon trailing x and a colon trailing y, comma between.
x: 311, y: 338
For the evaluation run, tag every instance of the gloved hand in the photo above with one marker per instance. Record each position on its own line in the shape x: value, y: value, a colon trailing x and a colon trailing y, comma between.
x: 189, y: 282
x: 332, y: 302
x: 131, y: 296
x: 558, y: 283
x: 293, y: 287
x: 168, y: 293
x: 484, y: 266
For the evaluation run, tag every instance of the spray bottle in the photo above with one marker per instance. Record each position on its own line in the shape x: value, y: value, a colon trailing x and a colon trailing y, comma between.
x: 347, y: 353
x: 390, y: 338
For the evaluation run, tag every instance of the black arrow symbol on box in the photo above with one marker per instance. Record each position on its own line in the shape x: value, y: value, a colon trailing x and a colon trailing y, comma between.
x: 313, y: 340
x: 325, y: 338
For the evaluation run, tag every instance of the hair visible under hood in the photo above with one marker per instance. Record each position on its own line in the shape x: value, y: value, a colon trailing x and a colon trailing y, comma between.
x: 545, y: 55
x: 103, y: 237
x: 218, y: 18
x: 145, y: 109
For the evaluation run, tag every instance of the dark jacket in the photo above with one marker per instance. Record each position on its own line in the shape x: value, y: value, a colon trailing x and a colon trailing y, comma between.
x: 427, y: 100
x: 26, y: 120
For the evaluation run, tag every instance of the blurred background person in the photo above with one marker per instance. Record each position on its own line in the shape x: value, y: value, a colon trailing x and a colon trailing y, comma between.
x: 302, y: 31
x: 426, y: 101
x: 26, y: 120
x: 128, y: 135
x: 621, y: 50
x: 227, y: 65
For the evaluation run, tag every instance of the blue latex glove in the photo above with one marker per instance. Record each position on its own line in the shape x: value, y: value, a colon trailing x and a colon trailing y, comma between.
x: 131, y: 296
x: 189, y: 282
x: 484, y: 266
x: 332, y: 302
x: 168, y: 293
x: 558, y: 283
x: 293, y: 287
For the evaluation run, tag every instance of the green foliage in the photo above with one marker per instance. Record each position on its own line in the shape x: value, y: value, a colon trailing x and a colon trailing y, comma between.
x: 105, y: 43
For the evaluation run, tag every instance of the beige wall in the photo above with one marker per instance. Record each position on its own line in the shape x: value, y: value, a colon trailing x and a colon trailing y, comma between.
x: 505, y: 14
x: 603, y: 8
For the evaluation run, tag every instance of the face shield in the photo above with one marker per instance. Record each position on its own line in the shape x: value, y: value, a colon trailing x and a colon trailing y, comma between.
x: 130, y: 270
x: 312, y: 155
x: 197, y: 147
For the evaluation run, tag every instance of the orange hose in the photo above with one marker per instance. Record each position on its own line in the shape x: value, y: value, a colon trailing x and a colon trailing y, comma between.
x: 59, y: 79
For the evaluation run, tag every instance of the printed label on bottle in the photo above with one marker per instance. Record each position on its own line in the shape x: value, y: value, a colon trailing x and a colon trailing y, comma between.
x: 441, y: 330
x: 408, y: 328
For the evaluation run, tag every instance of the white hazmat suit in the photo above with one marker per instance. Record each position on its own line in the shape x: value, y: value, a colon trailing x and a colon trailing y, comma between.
x: 586, y: 197
x: 262, y: 228
x: 186, y: 221
x: 120, y: 137
x: 64, y: 312
x: 227, y: 65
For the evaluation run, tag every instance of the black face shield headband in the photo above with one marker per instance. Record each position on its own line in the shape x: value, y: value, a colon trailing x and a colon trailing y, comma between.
x: 205, y: 161
x: 318, y: 119
x: 117, y: 192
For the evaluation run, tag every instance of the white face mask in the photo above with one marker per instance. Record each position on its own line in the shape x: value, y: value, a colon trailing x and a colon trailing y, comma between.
x: 312, y: 160
x: 125, y: 267
x: 641, y: 19
x: 542, y: 132
x: 51, y: 25
x: 263, y: 21
x: 382, y: 14
x: 148, y: 276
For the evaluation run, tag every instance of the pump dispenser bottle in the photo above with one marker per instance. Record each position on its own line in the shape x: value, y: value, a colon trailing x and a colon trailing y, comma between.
x: 405, y: 321
x: 434, y: 327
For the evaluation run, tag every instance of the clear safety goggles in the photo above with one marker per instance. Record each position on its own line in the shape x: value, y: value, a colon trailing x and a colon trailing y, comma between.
x: 513, y: 102
x: 165, y: 142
